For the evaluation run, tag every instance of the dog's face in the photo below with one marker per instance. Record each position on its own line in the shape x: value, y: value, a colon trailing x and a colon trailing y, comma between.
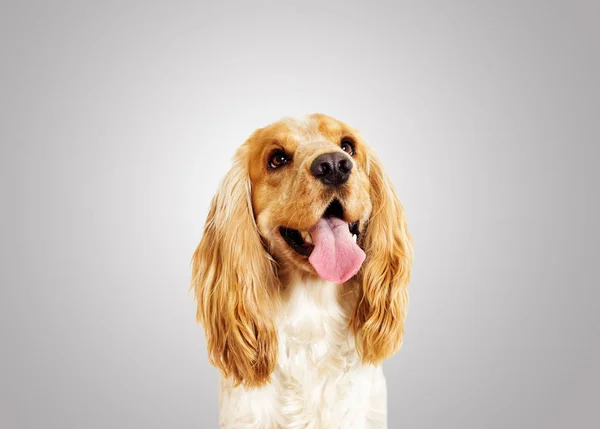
x: 310, y: 198
x: 303, y: 171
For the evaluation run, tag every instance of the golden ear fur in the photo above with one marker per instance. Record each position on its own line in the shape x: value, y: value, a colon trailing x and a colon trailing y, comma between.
x: 378, y: 320
x: 234, y: 284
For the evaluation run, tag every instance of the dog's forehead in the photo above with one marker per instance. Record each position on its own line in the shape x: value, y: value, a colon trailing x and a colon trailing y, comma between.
x: 306, y: 125
x: 313, y: 129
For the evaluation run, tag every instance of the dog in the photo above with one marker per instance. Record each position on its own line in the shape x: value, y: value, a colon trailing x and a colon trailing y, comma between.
x: 301, y: 279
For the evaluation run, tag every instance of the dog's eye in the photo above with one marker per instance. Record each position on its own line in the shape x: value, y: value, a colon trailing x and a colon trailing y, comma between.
x: 278, y: 159
x: 347, y: 146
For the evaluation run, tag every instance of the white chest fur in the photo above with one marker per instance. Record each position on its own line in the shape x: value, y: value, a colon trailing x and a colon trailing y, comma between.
x: 319, y: 381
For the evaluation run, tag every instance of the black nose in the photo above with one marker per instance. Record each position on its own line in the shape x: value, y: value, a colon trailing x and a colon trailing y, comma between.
x: 332, y: 168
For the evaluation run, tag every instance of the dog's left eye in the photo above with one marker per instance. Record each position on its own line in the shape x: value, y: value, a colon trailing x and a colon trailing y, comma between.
x: 278, y: 159
x: 347, y: 146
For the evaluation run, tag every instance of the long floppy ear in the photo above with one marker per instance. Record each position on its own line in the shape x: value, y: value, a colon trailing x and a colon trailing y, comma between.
x: 234, y: 283
x: 378, y: 320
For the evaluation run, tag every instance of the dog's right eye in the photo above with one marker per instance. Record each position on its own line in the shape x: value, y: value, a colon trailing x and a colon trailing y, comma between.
x: 278, y: 159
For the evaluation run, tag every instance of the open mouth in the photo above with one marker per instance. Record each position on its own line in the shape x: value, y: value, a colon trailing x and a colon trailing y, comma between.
x: 302, y: 241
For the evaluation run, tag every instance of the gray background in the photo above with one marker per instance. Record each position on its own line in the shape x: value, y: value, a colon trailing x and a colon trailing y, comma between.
x: 118, y: 119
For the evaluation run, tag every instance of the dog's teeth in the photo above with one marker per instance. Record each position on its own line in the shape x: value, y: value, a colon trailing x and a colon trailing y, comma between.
x: 354, y: 237
x: 306, y: 237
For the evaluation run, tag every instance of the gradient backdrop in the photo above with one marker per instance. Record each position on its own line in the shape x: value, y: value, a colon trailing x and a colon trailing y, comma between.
x: 118, y: 119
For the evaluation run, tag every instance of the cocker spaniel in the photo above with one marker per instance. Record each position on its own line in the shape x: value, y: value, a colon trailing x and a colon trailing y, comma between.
x: 301, y: 279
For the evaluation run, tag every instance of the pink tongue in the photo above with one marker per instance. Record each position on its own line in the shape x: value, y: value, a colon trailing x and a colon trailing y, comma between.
x: 336, y: 257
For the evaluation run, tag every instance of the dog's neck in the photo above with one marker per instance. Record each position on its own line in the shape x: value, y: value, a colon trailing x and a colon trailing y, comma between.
x: 306, y: 303
x: 313, y: 327
x: 304, y: 296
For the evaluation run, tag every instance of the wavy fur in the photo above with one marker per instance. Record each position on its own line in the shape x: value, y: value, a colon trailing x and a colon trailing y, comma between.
x: 378, y: 320
x: 235, y: 284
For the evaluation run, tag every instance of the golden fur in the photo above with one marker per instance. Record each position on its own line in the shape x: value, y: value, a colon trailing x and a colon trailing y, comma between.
x: 242, y: 266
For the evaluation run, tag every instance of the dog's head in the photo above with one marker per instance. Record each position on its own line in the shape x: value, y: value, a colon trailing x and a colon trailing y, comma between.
x: 304, y: 198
